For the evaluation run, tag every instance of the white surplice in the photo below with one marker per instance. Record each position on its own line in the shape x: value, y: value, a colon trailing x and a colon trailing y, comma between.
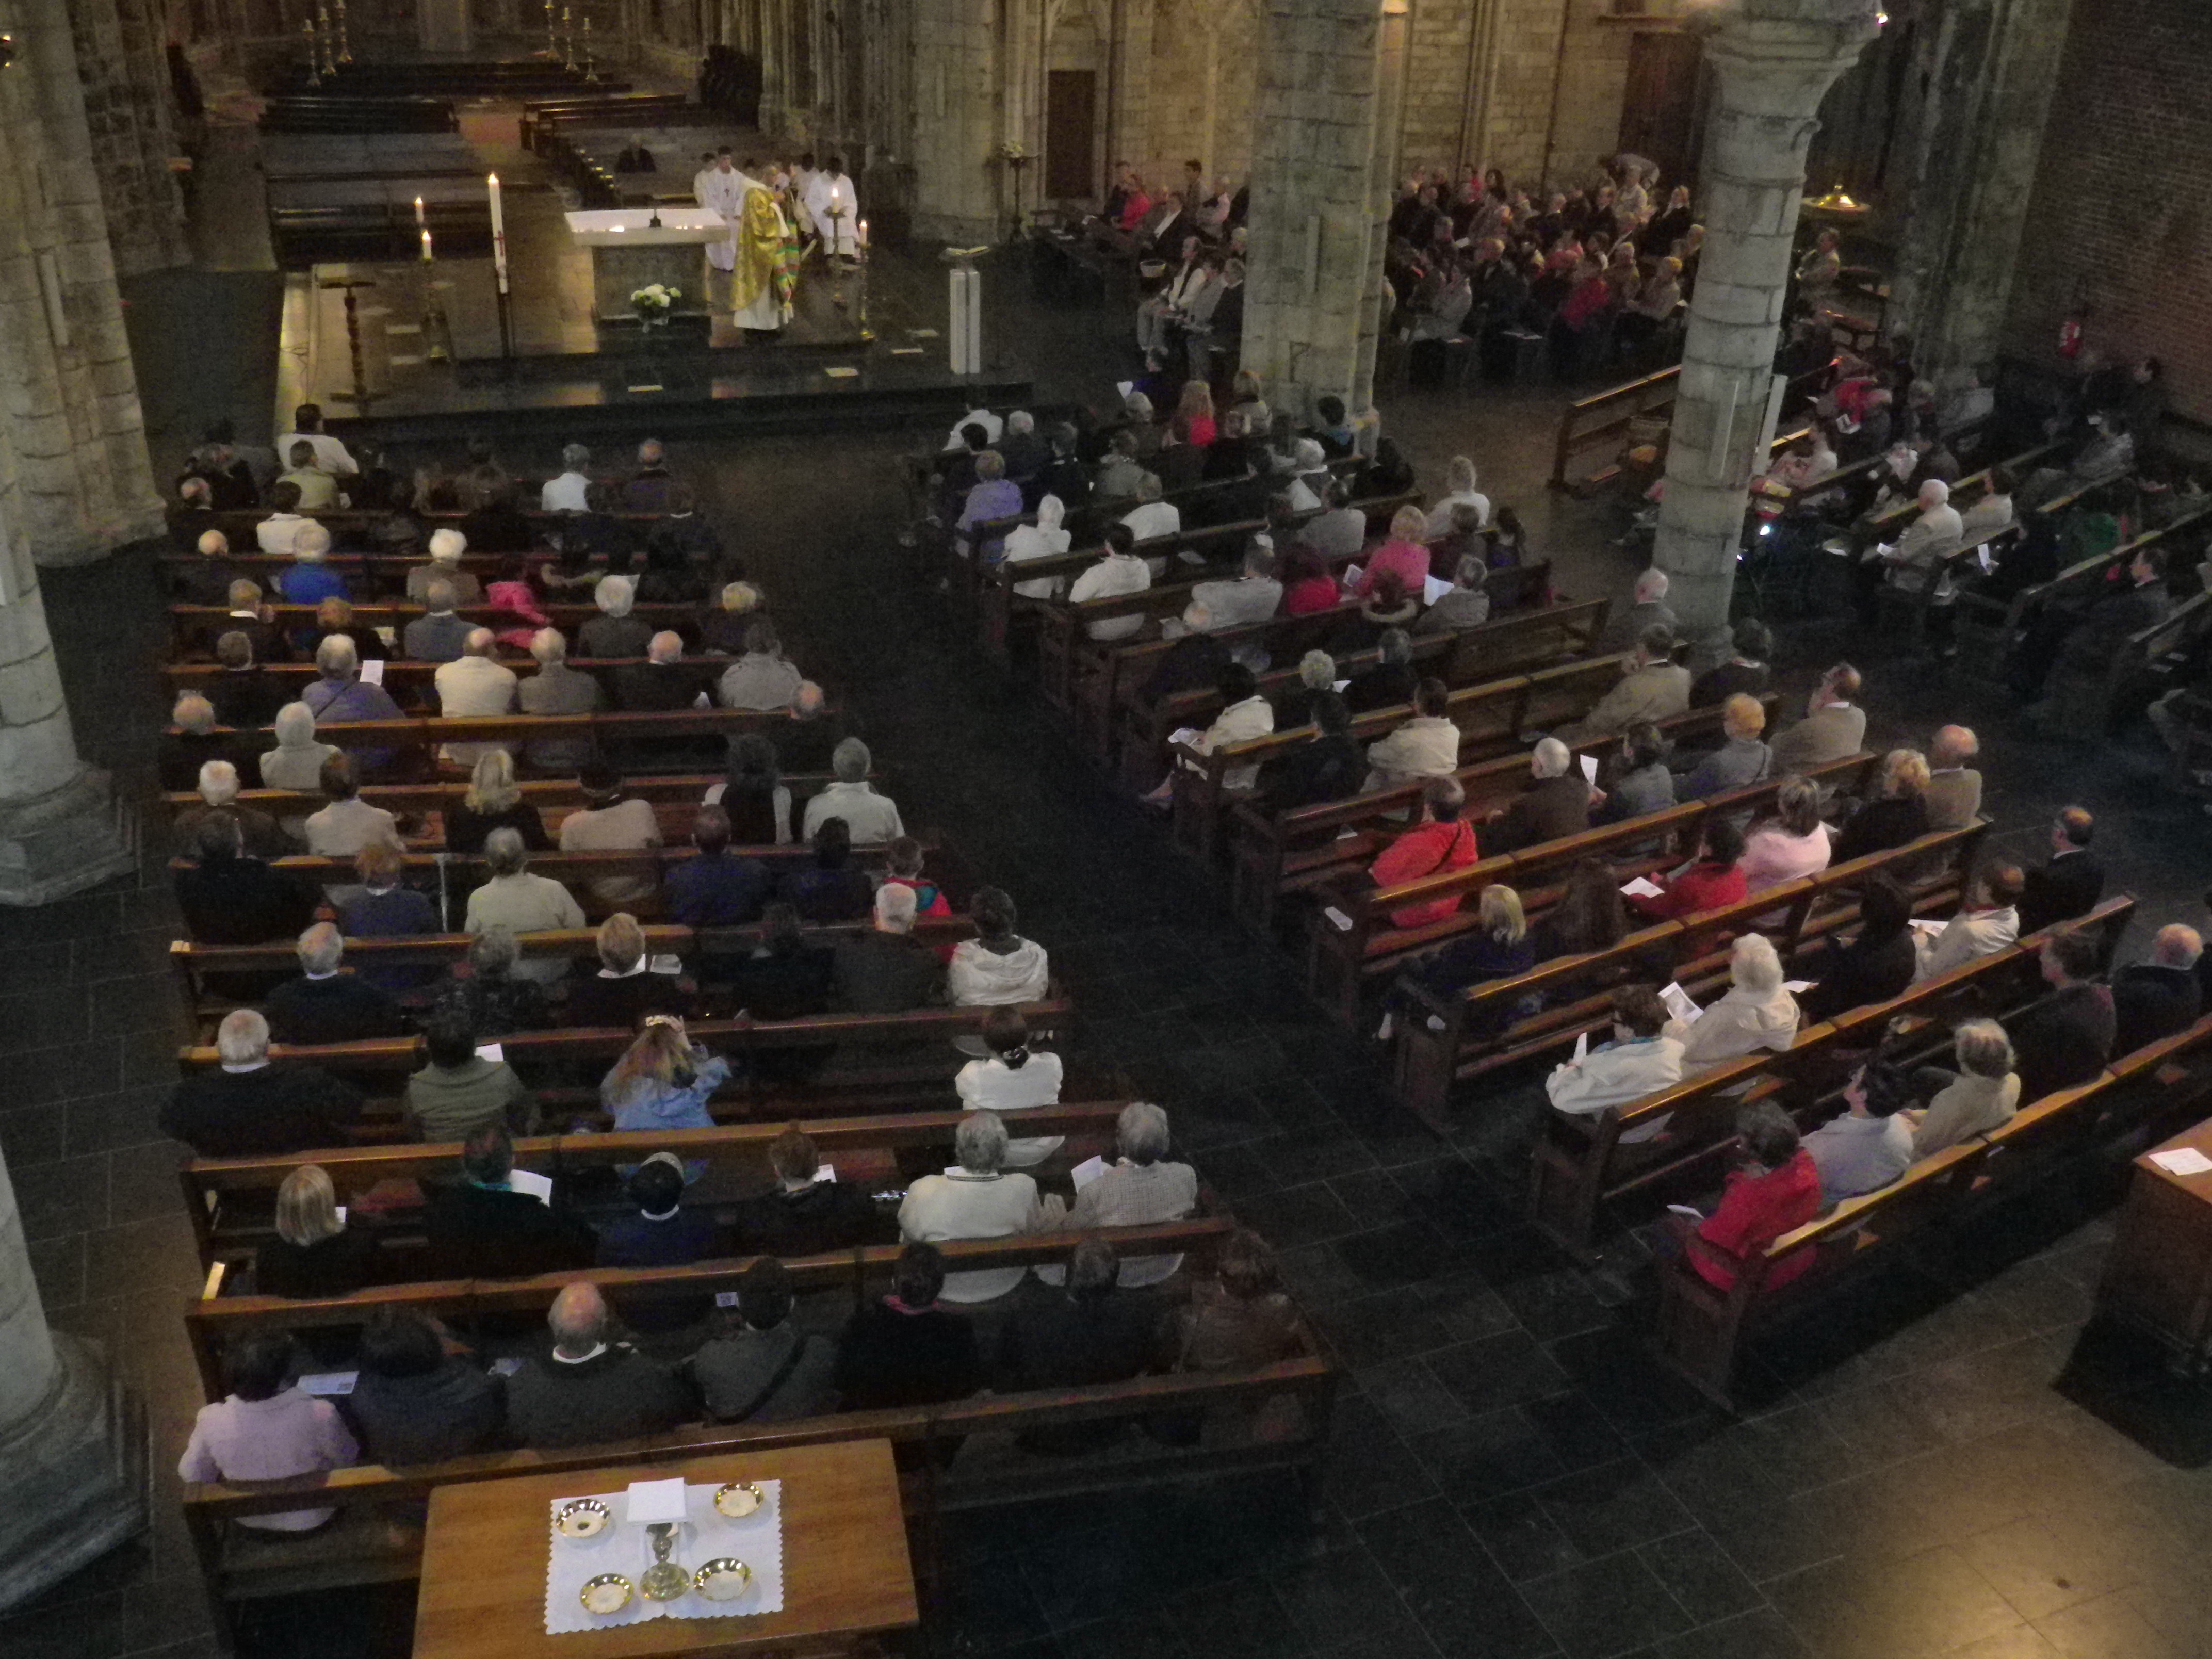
x: 725, y: 192
x: 829, y: 196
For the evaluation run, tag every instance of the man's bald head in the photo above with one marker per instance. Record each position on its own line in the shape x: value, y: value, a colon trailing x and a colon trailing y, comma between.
x: 479, y: 642
x: 1954, y: 745
x: 213, y: 543
x: 806, y: 701
x: 666, y: 646
x: 2176, y: 947
x: 1651, y: 587
x: 579, y: 1319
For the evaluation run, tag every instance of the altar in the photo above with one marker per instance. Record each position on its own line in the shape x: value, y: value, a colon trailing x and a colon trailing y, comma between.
x: 628, y: 252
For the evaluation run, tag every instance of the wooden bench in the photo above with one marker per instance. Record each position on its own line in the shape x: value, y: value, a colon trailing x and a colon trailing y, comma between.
x: 1442, y: 1041
x: 1509, y: 643
x: 1493, y: 719
x: 1582, y: 1162
x: 1989, y: 630
x: 1276, y: 856
x: 1701, y: 1329
x: 362, y: 1546
x: 196, y: 627
x: 2091, y: 707
x: 229, y: 1232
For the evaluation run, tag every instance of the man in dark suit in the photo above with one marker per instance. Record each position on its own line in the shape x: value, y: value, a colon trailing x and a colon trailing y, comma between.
x: 229, y: 899
x: 804, y: 1216
x: 2158, y: 998
x: 2072, y: 883
x: 2065, y: 1039
x: 326, y: 1004
x: 1088, y: 1332
x: 248, y: 1108
x: 1328, y: 767
x: 590, y: 1387
x: 660, y: 1233
x: 484, y: 1227
x: 887, y: 970
x: 1557, y: 804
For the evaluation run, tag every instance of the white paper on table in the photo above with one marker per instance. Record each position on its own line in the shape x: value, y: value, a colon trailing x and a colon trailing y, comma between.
x: 372, y: 672
x: 1433, y: 588
x: 1923, y: 925
x: 328, y: 1384
x: 706, y: 1535
x: 1643, y: 887
x: 1087, y: 1171
x: 1796, y: 986
x: 655, y: 1500
x: 1678, y: 1004
x: 2182, y: 1160
x: 493, y: 1052
x: 1582, y: 1046
x: 1589, y: 770
x: 528, y: 1181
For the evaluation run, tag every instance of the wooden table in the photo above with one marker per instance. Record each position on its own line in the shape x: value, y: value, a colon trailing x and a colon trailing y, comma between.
x: 2159, y: 1275
x: 847, y: 1573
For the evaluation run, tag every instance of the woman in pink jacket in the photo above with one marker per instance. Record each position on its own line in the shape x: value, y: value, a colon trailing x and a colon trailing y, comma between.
x: 1792, y: 843
x: 1406, y: 553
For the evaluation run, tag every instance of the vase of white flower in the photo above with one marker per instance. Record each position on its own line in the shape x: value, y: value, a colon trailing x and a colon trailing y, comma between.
x: 654, y: 303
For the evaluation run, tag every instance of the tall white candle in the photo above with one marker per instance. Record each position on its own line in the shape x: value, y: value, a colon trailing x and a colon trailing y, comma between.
x: 498, y: 234
x: 420, y: 222
x: 426, y: 247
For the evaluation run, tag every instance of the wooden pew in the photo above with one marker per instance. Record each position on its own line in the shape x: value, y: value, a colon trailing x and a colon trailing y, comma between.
x: 854, y: 1145
x: 2092, y: 706
x: 1582, y: 1162
x: 1442, y: 1041
x: 410, y: 680
x: 1889, y: 526
x: 1990, y: 630
x: 1273, y: 856
x: 1493, y: 719
x: 196, y: 627
x: 362, y: 1546
x: 1514, y: 640
x: 1701, y: 1329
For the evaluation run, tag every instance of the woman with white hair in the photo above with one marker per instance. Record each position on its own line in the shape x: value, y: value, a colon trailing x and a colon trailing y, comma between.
x: 521, y: 904
x: 722, y: 634
x: 614, y: 632
x: 1459, y: 481
x: 1982, y: 1094
x: 1755, y: 1013
x: 557, y: 689
x: 296, y: 762
x: 1310, y: 476
x: 870, y: 818
x: 446, y: 546
x: 976, y: 1199
x: 1040, y: 540
x: 1141, y: 1188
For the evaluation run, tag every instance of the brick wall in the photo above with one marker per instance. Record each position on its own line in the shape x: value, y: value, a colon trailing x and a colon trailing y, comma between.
x: 2119, y: 220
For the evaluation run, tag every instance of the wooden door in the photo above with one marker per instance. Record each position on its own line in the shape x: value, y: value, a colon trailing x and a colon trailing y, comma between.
x: 1071, y: 102
x: 1659, y: 114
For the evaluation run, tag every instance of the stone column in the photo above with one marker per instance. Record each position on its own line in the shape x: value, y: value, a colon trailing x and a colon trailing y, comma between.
x: 1989, y: 69
x: 1320, y: 187
x: 123, y: 65
x: 1772, y: 62
x: 72, y: 1445
x: 69, y: 397
x: 960, y: 100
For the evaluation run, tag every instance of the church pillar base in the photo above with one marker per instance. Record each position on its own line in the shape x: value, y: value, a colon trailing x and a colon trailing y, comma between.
x: 62, y: 842
x: 73, y: 1475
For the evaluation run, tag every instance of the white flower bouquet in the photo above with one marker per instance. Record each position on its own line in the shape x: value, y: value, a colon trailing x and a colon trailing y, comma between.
x: 654, y: 301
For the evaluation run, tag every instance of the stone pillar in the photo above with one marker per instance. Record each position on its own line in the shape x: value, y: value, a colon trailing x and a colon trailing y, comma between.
x: 72, y: 1444
x: 1772, y: 61
x: 69, y: 397
x: 1320, y: 191
x: 958, y: 121
x: 123, y: 68
x: 1989, y: 69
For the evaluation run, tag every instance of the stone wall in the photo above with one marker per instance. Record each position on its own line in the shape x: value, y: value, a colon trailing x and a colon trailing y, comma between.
x: 2119, y: 222
x: 1205, y: 66
x: 120, y: 57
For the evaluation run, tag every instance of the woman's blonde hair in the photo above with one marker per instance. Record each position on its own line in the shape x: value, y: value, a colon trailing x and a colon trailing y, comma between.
x: 621, y: 942
x: 1501, y: 915
x: 1409, y: 523
x: 660, y: 1054
x: 307, y: 1207
x: 492, y: 787
x: 1744, y: 716
x: 1797, y: 805
x: 1905, y: 772
x: 1197, y: 399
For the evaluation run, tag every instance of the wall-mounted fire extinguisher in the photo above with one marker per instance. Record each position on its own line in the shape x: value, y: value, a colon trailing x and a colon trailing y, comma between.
x: 2069, y: 337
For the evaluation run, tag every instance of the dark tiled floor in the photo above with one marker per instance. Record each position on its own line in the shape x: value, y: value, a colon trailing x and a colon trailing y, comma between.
x: 1943, y: 1460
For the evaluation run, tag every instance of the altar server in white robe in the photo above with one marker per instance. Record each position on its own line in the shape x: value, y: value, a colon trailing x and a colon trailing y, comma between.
x: 699, y: 178
x: 724, y: 191
x: 835, y: 207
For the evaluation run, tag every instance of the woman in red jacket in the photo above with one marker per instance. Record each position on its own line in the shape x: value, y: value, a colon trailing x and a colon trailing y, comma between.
x: 1708, y: 882
x: 1773, y: 1191
x: 1444, y: 841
